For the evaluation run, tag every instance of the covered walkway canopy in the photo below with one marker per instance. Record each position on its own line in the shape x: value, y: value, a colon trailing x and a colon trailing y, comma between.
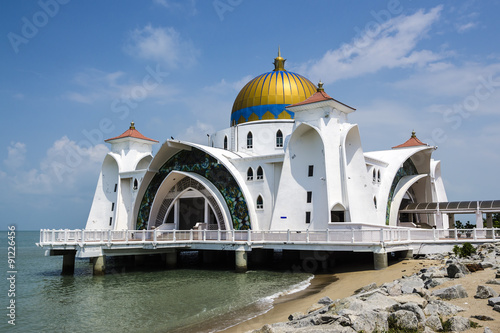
x: 479, y: 208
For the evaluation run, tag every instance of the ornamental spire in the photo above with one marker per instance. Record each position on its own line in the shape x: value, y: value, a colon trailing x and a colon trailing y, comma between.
x: 279, y: 62
x: 132, y: 126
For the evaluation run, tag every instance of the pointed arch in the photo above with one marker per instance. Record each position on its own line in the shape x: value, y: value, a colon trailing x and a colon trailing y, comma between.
x: 225, y: 141
x: 279, y: 139
x: 260, y: 202
x: 260, y: 173
x: 250, y: 174
x: 249, y: 140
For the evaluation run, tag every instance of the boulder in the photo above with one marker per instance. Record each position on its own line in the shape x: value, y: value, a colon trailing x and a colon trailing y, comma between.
x: 482, y: 317
x: 493, y: 301
x: 392, y: 288
x: 410, y: 284
x: 484, y: 292
x: 434, y: 323
x: 459, y: 324
x: 453, y: 292
x: 369, y: 287
x: 454, y: 268
x: 412, y: 307
x: 487, y: 330
x: 325, y: 300
x: 296, y: 316
x: 441, y: 308
x: 496, y: 308
x: 379, y: 302
x: 411, y: 298
x: 369, y: 321
x: 404, y: 320
x: 494, y: 281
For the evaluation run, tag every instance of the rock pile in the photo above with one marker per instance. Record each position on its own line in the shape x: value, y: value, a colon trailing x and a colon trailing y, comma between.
x: 405, y: 304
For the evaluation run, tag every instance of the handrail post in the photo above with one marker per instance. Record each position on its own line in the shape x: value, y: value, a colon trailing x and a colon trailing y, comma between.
x: 109, y: 237
x: 154, y: 236
x: 307, y: 236
x: 456, y: 234
x: 327, y: 236
x: 474, y: 233
x: 65, y: 236
x: 126, y: 236
x: 143, y: 235
x: 381, y: 235
x: 288, y: 235
x: 174, y: 236
x: 434, y: 234
x: 249, y: 237
x: 494, y: 236
x: 218, y: 235
x: 83, y: 238
x: 352, y: 235
x: 204, y: 234
x: 191, y: 235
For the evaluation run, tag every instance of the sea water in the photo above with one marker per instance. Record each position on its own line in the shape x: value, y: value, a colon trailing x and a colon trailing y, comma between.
x: 146, y: 300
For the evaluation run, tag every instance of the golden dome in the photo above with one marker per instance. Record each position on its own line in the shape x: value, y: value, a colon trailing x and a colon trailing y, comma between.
x: 267, y: 95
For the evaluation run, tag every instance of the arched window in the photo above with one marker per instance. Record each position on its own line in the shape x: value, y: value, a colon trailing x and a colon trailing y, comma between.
x: 279, y: 139
x: 250, y: 174
x: 260, y: 202
x: 136, y: 184
x: 249, y: 140
x: 374, y: 175
x: 260, y: 173
x: 378, y: 176
x: 225, y: 142
x: 375, y: 202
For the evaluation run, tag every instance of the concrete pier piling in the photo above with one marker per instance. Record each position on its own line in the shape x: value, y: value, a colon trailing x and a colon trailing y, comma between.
x: 380, y: 260
x: 99, y: 265
x: 241, y: 260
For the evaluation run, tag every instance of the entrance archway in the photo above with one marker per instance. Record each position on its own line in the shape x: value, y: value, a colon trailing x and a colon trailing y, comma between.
x: 185, y: 201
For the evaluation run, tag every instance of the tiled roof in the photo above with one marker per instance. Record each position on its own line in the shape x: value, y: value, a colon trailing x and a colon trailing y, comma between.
x: 319, y: 96
x: 131, y: 133
x: 412, y: 142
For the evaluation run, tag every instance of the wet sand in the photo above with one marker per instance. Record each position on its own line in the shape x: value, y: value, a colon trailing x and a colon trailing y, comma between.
x: 340, y: 284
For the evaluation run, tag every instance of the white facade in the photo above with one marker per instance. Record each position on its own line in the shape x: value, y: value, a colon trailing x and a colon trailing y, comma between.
x: 305, y: 173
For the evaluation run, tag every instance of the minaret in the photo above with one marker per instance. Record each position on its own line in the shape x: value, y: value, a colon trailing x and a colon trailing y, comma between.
x: 121, y: 174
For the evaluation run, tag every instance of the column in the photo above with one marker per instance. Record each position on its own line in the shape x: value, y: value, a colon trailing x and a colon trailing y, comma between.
x: 99, y: 265
x: 171, y: 258
x: 489, y: 224
x: 240, y: 256
x: 479, y: 220
x: 68, y: 266
x: 380, y: 260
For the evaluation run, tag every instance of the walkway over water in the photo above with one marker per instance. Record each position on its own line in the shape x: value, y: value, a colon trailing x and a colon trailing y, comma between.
x: 357, y: 238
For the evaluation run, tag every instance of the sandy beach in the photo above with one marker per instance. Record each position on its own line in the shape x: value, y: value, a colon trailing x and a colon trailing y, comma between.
x: 343, y: 284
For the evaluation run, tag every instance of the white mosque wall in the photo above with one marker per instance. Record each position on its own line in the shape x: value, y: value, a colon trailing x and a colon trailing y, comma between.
x: 102, y: 211
x: 303, y: 172
x: 359, y: 192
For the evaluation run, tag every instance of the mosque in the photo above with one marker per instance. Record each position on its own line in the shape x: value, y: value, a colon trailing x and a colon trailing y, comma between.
x: 290, y: 160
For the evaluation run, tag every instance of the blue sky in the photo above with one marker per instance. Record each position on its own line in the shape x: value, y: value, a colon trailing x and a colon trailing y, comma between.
x: 77, y: 72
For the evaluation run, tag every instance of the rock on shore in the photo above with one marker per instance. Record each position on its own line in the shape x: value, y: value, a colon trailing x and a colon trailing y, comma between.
x: 404, y: 304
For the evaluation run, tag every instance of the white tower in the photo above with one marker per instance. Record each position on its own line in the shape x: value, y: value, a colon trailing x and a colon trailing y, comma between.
x: 121, y: 174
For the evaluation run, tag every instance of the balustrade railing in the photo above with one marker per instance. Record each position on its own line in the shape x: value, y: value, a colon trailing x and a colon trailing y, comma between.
x: 353, y: 236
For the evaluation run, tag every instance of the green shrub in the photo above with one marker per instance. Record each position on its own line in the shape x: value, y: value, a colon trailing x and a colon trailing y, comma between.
x: 466, y: 250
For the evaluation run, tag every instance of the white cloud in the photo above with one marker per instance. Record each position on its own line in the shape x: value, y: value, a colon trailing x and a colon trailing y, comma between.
x: 16, y: 155
x: 94, y: 85
x: 66, y: 167
x: 224, y: 87
x: 163, y: 45
x: 465, y: 27
x: 390, y: 45
x: 197, y: 133
x: 447, y: 80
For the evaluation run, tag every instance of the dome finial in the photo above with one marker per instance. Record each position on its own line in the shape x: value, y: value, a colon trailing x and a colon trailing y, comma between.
x: 320, y: 86
x: 413, y: 134
x: 132, y: 126
x: 279, y: 62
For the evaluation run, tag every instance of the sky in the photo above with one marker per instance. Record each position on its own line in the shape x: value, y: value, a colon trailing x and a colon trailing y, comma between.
x: 74, y: 73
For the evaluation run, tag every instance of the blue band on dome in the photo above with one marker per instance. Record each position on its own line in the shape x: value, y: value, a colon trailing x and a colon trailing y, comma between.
x: 259, y: 111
